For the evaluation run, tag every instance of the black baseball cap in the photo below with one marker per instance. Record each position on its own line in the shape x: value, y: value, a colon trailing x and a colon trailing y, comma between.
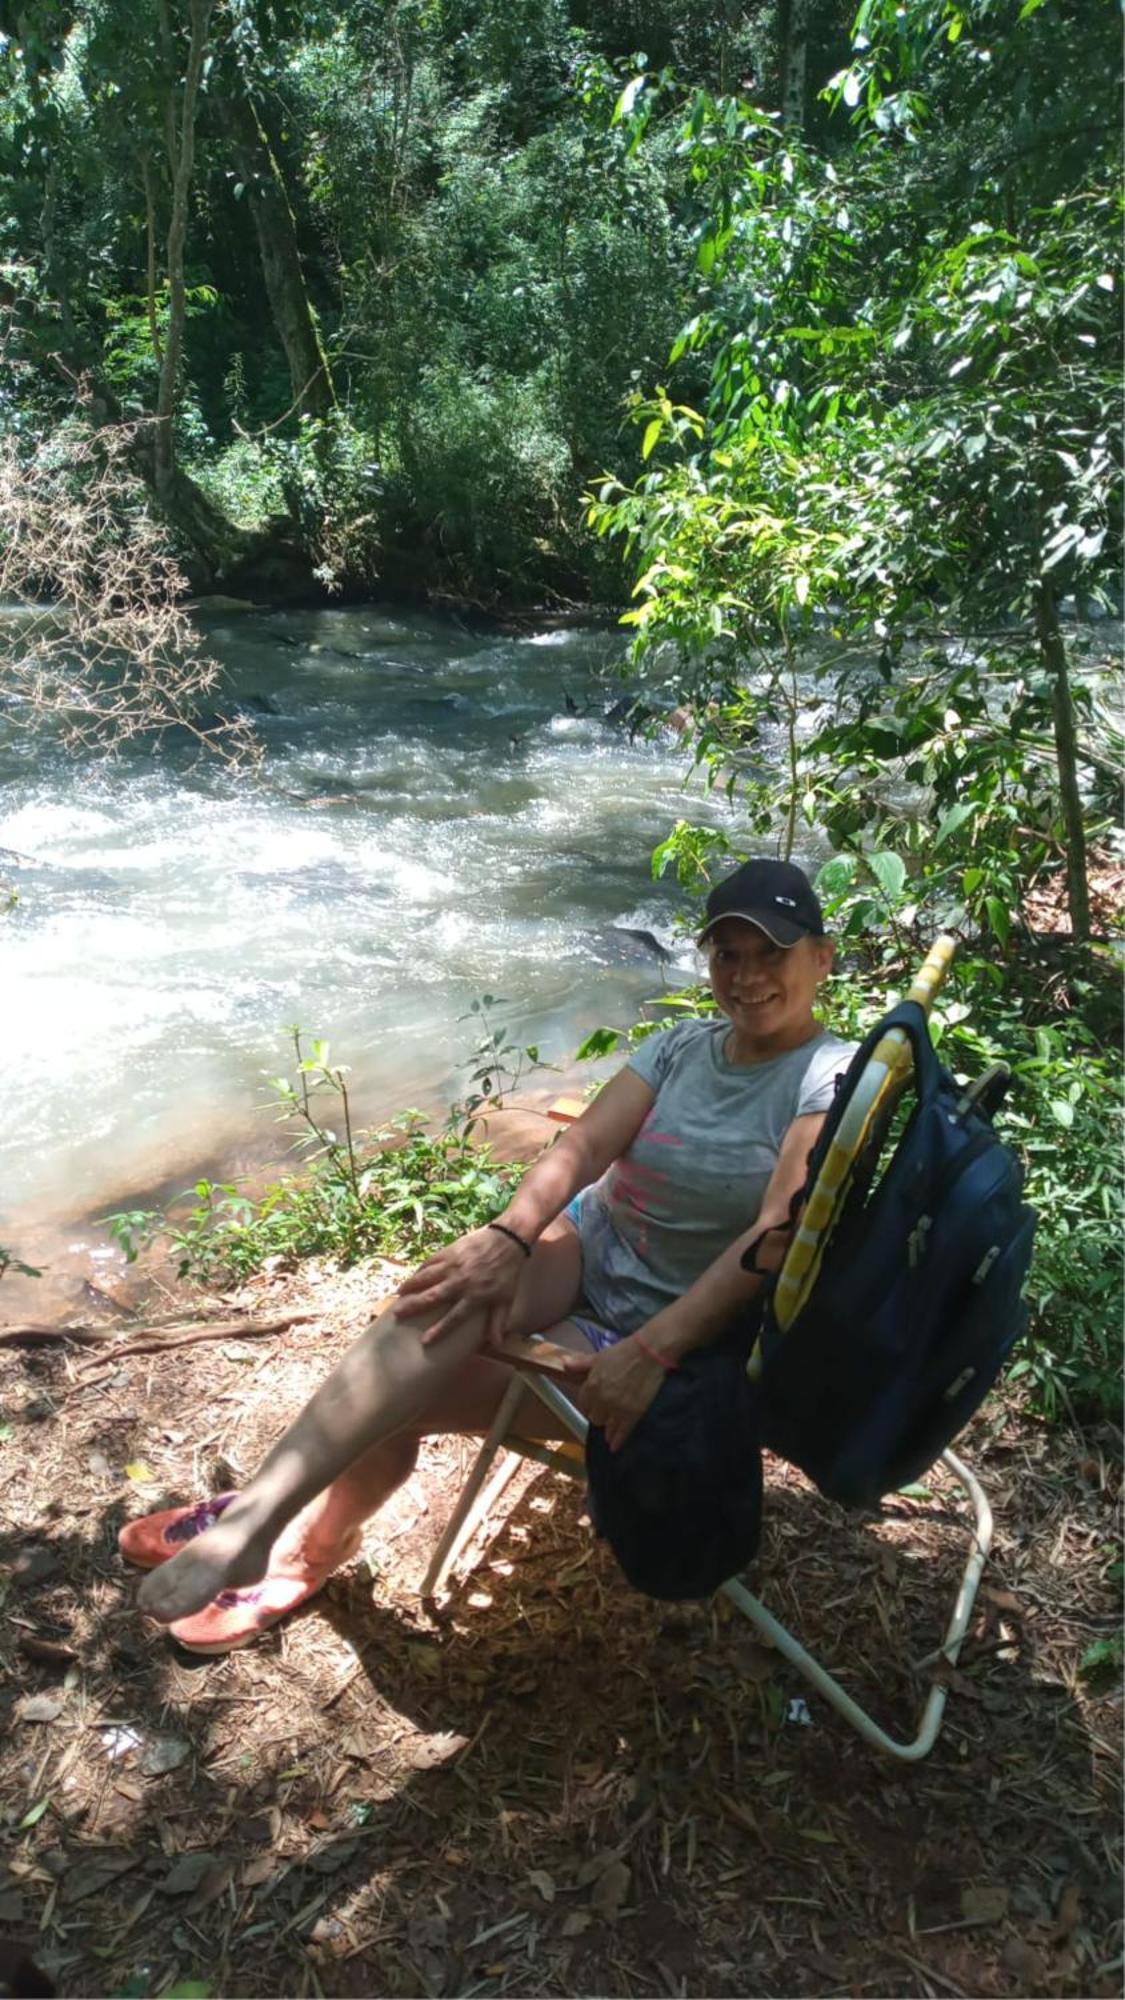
x: 775, y: 895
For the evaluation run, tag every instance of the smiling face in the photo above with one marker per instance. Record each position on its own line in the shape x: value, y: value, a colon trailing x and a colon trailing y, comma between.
x: 765, y: 990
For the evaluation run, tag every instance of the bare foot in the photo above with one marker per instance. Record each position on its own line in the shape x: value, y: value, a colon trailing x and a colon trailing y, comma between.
x: 228, y: 1556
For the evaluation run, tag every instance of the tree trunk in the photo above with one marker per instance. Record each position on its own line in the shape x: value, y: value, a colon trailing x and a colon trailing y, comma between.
x: 150, y: 259
x: 793, y: 23
x: 276, y: 230
x: 1066, y: 756
x: 211, y: 548
x: 181, y: 152
x: 57, y: 277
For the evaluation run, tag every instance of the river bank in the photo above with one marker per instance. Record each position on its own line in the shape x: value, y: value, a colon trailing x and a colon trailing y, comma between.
x: 81, y: 1275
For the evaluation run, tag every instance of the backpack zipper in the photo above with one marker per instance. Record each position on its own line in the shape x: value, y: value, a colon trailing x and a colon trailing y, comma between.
x: 916, y: 1241
x: 950, y: 1174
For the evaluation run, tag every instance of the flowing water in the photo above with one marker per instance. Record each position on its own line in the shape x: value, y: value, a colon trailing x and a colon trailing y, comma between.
x: 437, y: 815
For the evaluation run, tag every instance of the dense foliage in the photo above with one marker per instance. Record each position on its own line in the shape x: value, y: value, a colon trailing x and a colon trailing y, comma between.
x: 383, y: 280
x: 383, y: 276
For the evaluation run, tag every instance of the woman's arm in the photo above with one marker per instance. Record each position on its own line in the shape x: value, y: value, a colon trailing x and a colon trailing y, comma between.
x: 483, y: 1268
x: 605, y: 1130
x: 621, y: 1381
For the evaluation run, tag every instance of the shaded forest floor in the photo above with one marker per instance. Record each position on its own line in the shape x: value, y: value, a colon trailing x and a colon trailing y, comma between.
x: 557, y: 1787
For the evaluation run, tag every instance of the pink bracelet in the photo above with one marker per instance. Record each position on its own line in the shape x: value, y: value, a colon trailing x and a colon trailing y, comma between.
x: 661, y: 1360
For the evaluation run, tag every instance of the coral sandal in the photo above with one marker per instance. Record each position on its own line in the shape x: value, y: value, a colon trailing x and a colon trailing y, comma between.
x: 236, y: 1617
x: 154, y: 1538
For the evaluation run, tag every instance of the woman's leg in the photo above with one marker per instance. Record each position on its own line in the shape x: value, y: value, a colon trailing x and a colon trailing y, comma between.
x: 387, y: 1384
x: 466, y: 1404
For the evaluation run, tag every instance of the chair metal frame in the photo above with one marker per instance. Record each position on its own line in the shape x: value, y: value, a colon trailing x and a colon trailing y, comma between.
x: 480, y: 1494
x: 866, y: 1119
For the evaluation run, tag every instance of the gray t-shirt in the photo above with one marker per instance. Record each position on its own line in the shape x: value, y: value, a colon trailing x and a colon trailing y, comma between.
x: 695, y: 1175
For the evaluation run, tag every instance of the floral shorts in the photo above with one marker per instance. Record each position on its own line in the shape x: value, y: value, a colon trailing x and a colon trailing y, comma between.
x: 592, y: 1330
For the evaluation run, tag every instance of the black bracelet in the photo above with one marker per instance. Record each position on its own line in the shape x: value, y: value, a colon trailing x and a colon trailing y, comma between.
x: 503, y: 1230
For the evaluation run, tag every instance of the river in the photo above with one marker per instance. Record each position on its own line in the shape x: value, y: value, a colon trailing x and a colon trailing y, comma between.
x: 437, y: 815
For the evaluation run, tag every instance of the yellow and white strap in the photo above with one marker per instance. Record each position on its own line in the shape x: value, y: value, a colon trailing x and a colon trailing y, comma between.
x: 885, y: 1075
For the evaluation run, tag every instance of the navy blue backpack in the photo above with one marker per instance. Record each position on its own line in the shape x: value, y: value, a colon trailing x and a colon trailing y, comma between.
x: 918, y: 1300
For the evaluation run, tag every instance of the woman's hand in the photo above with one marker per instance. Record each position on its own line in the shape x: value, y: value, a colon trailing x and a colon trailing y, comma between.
x: 617, y: 1387
x: 480, y: 1272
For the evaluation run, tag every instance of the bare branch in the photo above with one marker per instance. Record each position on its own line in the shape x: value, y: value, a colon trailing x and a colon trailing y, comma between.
x: 101, y: 643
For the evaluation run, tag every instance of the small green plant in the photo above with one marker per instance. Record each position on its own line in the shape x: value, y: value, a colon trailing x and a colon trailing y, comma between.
x: 497, y: 1065
x: 10, y: 1262
x: 414, y: 1191
x: 399, y: 1190
x: 295, y: 1100
x: 1101, y: 1662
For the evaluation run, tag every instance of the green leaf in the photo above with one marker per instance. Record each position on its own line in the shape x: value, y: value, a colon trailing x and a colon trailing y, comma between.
x: 33, y: 1817
x: 627, y: 99
x: 998, y: 917
x: 1062, y: 1111
x: 950, y: 821
x: 602, y: 1042
x: 651, y: 437
x: 836, y: 877
x: 1104, y: 1656
x: 889, y: 871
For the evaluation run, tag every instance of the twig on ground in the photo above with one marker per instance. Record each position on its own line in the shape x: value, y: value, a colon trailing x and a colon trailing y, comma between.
x: 230, y: 1329
x: 152, y: 1340
x: 927, y: 1972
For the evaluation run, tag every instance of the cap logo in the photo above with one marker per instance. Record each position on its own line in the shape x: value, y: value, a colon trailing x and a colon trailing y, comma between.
x: 787, y: 902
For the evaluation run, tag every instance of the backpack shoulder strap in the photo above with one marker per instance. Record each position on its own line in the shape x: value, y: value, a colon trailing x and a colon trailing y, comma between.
x: 911, y: 1020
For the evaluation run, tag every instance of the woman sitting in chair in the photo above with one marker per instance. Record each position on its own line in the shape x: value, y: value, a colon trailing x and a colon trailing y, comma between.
x: 624, y: 1239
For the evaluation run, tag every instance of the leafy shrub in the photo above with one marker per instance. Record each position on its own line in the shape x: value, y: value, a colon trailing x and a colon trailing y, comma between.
x: 484, y: 467
x: 245, y: 481
x: 413, y: 1191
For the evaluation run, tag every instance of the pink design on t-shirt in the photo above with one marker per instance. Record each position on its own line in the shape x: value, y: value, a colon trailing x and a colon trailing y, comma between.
x: 652, y: 1138
x: 632, y: 1184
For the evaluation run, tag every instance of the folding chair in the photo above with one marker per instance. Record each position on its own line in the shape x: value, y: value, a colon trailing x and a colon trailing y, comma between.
x: 889, y: 1071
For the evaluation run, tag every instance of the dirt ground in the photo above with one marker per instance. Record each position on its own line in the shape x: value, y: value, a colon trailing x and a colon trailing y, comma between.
x: 553, y: 1786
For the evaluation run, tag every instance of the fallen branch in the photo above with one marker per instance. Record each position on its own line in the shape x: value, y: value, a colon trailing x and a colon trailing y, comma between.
x: 47, y: 1336
x: 150, y: 1341
x: 230, y: 1329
